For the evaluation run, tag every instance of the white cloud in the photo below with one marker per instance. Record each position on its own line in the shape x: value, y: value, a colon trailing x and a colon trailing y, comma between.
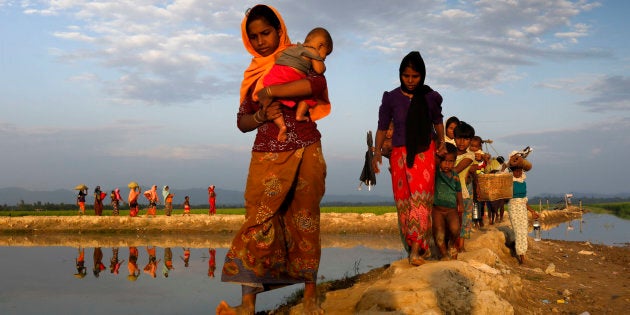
x: 580, y: 30
x: 74, y: 36
x: 147, y: 41
x: 457, y: 14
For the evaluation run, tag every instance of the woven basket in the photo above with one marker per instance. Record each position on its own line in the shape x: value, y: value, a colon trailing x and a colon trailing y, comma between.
x: 494, y: 186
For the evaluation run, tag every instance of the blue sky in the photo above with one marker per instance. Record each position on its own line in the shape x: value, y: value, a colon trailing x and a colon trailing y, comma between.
x: 107, y: 92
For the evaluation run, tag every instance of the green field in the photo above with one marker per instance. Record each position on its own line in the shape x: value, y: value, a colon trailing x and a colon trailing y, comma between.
x: 620, y: 209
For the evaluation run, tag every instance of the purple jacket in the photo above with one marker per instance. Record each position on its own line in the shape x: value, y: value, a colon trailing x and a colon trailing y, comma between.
x: 395, y: 105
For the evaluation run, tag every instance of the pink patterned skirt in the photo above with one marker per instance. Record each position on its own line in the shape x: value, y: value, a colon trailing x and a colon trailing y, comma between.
x: 413, y: 193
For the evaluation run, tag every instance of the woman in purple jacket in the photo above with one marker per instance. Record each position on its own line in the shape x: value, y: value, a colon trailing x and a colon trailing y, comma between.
x: 416, y: 111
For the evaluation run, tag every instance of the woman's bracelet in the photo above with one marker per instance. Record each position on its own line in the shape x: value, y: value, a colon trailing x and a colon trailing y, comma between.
x: 268, y: 91
x: 256, y: 118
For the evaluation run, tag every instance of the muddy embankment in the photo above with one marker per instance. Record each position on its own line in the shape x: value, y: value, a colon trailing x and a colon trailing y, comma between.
x: 550, y: 219
x: 337, y: 230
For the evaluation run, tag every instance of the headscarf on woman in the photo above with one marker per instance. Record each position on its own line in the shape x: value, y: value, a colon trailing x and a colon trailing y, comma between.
x: 151, y: 194
x: 117, y: 193
x: 260, y: 65
x: 165, y: 192
x: 419, y: 126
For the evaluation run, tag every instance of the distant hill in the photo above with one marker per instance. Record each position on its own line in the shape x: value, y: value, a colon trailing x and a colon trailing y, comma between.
x: 198, y: 196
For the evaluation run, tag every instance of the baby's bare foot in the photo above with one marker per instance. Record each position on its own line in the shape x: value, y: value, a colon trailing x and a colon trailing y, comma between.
x: 302, y: 118
x: 282, y: 134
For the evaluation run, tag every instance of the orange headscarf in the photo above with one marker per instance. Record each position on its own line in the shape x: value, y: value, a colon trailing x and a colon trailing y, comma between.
x: 260, y: 65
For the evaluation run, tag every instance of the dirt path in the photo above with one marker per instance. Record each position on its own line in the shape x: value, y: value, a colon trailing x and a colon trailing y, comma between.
x: 558, y: 277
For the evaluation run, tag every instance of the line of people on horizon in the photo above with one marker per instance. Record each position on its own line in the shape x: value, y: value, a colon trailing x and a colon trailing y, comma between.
x: 151, y: 195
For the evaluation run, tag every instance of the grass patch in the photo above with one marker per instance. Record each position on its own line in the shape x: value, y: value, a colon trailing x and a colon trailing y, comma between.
x: 620, y: 209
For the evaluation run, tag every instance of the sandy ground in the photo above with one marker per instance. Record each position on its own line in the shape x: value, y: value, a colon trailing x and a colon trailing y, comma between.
x: 587, y: 278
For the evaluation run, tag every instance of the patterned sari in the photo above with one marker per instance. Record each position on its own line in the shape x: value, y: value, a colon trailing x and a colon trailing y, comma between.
x: 279, y: 242
x: 520, y: 223
x: 413, y: 193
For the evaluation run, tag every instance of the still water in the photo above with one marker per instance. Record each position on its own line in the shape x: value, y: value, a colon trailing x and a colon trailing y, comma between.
x: 38, y: 273
x: 592, y: 227
x: 44, y: 279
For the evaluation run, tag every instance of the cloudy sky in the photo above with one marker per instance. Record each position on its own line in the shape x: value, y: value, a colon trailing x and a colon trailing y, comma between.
x: 104, y: 92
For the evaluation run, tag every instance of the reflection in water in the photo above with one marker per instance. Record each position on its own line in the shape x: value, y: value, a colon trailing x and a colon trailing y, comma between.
x: 114, y: 263
x: 98, y: 262
x: 592, y: 227
x: 132, y: 265
x: 151, y: 267
x: 193, y: 290
x: 168, y: 261
x: 134, y: 271
x: 212, y: 262
x: 80, y: 263
x: 186, y: 257
x: 191, y: 240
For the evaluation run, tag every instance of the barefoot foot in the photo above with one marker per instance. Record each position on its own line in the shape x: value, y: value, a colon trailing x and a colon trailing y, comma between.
x: 416, y: 261
x: 282, y: 134
x: 311, y: 307
x: 302, y: 118
x: 225, y: 309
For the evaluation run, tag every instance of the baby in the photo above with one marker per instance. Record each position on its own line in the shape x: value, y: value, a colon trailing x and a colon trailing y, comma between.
x: 480, y: 156
x: 294, y: 63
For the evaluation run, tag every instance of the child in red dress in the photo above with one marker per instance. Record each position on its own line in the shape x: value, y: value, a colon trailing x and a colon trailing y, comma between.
x: 186, y: 205
x: 212, y: 200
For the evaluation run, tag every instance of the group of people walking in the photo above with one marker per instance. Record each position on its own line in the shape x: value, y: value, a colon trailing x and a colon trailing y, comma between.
x: 435, y: 171
x: 151, y: 195
x: 279, y: 242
